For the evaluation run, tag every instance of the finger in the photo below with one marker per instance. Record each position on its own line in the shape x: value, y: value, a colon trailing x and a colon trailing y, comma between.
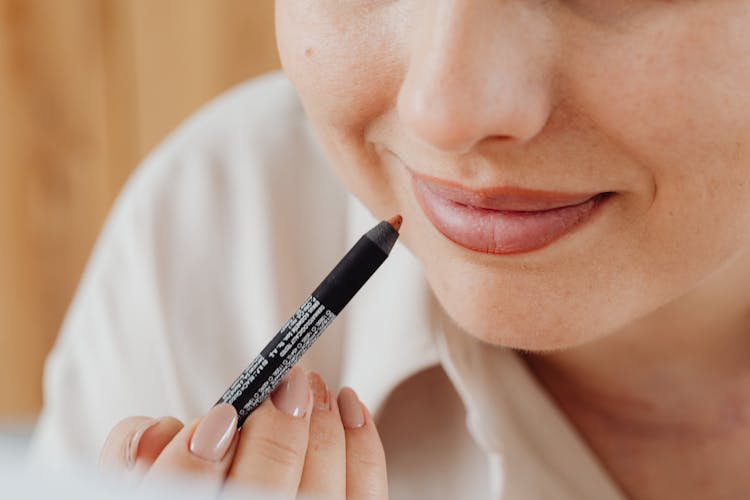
x: 273, y: 442
x: 135, y: 442
x: 324, y: 472
x: 365, y: 459
x: 203, y: 449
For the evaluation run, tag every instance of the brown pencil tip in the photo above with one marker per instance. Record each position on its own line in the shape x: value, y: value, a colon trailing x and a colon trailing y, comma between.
x: 396, y: 222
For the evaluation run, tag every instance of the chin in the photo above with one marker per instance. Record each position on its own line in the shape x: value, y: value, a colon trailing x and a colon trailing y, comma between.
x: 538, y: 323
x: 531, y: 334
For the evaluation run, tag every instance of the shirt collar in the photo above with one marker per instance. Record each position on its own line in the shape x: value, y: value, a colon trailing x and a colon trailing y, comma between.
x: 510, y: 415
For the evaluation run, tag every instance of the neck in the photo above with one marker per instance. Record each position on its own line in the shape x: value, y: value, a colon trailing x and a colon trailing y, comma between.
x: 684, y: 367
x: 675, y: 379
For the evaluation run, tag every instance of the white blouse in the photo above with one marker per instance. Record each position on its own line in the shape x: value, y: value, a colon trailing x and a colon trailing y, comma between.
x: 217, y: 238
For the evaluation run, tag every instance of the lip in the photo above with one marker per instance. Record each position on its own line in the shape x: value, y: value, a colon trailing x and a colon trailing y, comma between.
x: 503, y: 220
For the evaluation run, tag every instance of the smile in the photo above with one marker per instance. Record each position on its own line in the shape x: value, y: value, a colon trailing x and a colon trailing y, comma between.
x: 503, y: 220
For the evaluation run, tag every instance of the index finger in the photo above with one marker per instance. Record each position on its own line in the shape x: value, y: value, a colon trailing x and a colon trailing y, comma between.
x: 273, y: 442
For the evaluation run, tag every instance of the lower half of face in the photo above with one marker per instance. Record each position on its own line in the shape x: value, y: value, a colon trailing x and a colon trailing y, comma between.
x: 649, y: 124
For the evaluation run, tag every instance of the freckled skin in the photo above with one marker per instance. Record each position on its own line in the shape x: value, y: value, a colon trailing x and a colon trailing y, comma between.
x: 650, y: 100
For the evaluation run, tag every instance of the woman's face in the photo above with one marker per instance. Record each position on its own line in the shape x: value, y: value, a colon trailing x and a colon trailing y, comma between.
x: 648, y: 100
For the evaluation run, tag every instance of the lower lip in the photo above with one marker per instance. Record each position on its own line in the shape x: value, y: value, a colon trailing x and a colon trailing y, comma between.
x: 498, y: 231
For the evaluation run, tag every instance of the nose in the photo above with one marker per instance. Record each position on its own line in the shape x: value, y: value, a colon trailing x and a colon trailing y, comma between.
x: 478, y: 70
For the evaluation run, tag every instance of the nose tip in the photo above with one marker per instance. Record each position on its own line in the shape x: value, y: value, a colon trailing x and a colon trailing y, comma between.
x: 456, y: 119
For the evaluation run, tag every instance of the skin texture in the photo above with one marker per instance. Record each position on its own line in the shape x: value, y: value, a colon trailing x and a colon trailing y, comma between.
x: 642, y: 312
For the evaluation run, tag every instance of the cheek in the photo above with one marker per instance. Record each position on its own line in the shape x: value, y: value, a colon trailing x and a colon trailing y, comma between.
x: 343, y: 60
x: 678, y: 94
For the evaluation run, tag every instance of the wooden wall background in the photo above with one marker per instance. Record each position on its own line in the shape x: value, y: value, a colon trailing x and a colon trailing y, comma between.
x: 87, y: 87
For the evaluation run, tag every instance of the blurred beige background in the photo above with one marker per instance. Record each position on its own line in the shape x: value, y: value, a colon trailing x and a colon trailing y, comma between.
x: 87, y: 87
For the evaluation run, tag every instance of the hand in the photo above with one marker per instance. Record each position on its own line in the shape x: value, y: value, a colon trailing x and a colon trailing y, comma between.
x: 299, y: 441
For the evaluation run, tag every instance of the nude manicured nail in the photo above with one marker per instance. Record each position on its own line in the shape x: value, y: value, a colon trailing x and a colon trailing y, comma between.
x: 292, y: 396
x: 214, y: 433
x: 350, y: 409
x: 321, y: 399
x: 131, y: 454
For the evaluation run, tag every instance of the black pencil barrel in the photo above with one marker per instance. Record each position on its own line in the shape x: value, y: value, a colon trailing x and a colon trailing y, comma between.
x: 267, y: 370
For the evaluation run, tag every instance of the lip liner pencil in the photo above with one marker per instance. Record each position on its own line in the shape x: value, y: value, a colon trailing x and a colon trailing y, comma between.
x: 265, y: 372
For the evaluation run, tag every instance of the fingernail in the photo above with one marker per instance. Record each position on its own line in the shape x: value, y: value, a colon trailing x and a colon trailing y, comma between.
x: 131, y: 454
x: 350, y: 409
x: 214, y: 433
x: 292, y: 396
x: 319, y: 390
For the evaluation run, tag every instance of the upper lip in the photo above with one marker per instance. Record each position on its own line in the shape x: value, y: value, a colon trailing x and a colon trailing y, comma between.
x: 502, y: 198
